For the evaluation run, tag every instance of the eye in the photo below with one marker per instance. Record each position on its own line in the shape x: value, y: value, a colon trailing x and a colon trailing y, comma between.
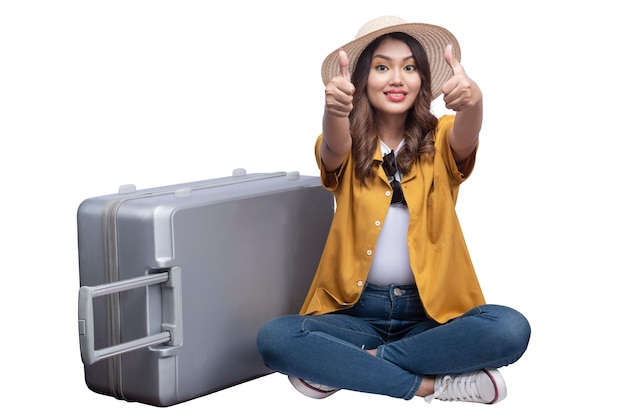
x: 411, y: 67
x: 381, y: 67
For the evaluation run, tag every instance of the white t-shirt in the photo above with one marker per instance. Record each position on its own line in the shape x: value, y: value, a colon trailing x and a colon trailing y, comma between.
x: 391, y: 258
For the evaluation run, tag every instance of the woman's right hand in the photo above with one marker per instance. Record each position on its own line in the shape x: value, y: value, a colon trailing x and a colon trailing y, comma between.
x: 340, y: 90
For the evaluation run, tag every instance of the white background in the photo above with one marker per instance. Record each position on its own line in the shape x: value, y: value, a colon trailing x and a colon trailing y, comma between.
x: 95, y: 94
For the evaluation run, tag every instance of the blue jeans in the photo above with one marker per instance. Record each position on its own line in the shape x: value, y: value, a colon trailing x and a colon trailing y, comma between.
x: 330, y: 349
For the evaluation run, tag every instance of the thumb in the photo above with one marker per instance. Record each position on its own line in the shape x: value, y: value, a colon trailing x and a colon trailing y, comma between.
x: 344, y: 65
x: 456, y: 66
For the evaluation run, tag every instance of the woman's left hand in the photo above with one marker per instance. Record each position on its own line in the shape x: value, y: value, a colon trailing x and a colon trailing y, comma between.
x: 459, y: 92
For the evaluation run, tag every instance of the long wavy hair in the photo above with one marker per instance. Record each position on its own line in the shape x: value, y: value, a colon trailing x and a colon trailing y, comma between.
x: 420, y: 122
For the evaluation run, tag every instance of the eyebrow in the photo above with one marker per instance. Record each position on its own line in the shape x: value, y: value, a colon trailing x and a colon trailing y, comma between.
x: 410, y: 57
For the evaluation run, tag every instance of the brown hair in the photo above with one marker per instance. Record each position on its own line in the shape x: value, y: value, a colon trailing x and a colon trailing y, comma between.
x: 420, y: 122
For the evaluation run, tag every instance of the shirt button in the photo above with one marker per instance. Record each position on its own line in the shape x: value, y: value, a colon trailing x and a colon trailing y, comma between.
x: 377, y: 223
x: 387, y: 193
x: 359, y: 283
x: 369, y: 252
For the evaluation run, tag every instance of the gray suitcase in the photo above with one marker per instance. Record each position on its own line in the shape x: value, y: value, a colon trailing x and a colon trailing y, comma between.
x: 175, y: 281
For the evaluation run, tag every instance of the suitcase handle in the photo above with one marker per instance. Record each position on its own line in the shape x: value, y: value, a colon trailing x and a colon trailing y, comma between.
x: 172, y: 314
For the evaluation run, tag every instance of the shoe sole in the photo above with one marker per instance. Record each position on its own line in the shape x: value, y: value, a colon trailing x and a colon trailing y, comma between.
x: 308, y: 390
x: 498, y: 384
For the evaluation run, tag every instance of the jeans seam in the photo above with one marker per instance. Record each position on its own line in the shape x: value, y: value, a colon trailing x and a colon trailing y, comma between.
x: 416, y: 385
x: 305, y: 330
x: 417, y: 382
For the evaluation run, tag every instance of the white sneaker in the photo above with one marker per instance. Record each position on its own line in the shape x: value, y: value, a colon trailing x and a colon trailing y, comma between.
x: 484, y: 386
x: 310, y: 389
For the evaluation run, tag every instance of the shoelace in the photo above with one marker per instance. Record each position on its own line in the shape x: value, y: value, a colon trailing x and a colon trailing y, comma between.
x: 461, y: 388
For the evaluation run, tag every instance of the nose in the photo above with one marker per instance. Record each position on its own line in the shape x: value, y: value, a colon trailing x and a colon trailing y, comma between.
x: 395, y: 78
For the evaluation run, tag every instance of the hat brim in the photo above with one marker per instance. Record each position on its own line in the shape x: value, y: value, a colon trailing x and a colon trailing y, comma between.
x: 433, y: 39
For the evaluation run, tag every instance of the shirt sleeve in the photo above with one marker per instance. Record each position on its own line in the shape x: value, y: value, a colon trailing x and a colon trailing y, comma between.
x: 459, y: 171
x: 330, y: 179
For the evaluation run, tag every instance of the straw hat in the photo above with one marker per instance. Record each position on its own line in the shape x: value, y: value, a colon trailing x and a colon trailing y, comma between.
x: 432, y: 38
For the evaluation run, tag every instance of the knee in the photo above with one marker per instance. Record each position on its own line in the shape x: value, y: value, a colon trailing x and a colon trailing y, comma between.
x: 514, y: 328
x: 272, y: 339
x: 267, y: 335
x: 519, y: 326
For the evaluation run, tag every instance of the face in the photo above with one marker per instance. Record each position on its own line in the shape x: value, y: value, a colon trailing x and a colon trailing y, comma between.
x: 393, y: 82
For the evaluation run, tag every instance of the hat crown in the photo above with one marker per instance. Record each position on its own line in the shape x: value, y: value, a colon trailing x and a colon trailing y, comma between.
x: 379, y: 23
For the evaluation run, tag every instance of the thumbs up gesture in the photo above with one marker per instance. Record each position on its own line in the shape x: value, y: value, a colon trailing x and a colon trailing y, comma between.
x: 459, y: 92
x: 340, y: 90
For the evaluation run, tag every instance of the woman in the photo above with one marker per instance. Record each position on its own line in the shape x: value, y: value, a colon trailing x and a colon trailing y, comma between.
x: 395, y: 307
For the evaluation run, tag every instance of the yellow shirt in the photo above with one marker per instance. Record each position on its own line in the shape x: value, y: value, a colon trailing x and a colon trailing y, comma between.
x: 438, y: 254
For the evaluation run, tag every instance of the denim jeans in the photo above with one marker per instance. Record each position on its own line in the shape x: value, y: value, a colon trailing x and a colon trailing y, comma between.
x: 330, y: 349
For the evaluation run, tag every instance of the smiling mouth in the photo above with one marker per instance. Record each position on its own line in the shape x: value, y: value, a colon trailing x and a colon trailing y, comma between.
x: 395, y: 95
